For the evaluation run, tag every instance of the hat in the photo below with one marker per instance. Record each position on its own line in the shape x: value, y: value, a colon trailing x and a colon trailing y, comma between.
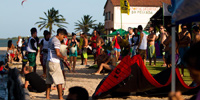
x: 118, y: 32
x: 129, y: 28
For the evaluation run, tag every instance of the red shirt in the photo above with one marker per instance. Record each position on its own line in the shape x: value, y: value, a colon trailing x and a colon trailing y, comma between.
x: 94, y: 44
x: 1, y: 68
x: 116, y: 45
x: 65, y: 40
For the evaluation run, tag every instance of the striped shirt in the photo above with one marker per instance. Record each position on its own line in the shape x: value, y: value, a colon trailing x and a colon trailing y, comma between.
x: 54, y: 43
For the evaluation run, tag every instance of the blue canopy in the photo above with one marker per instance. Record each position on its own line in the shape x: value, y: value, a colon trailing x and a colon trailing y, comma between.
x: 185, y: 11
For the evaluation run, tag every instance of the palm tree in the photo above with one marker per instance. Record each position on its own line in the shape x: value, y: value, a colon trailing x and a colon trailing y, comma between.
x: 100, y: 27
x: 85, y: 24
x: 52, y: 18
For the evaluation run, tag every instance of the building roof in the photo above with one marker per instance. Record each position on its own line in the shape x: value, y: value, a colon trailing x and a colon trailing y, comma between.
x: 151, y: 3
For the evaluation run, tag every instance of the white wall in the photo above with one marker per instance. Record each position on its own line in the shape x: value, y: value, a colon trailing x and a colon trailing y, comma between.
x: 137, y: 16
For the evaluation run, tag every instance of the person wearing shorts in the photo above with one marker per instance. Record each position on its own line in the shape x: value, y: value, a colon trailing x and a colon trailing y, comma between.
x: 115, y: 44
x: 54, y: 72
x: 73, y: 45
x: 105, y: 65
x: 94, y: 44
x: 99, y: 44
x: 84, y: 47
x: 142, y: 47
x: 44, y: 51
x: 32, y: 49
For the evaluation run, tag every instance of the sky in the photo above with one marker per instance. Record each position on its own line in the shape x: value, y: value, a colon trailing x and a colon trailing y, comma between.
x: 17, y: 20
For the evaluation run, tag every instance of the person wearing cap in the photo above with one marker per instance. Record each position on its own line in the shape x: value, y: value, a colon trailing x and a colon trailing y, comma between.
x: 115, y: 44
x: 73, y: 44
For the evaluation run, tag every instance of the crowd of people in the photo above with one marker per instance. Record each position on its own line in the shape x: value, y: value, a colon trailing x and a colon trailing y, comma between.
x: 54, y: 50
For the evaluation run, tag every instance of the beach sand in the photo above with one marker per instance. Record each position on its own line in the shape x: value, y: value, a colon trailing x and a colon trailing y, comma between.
x: 82, y: 78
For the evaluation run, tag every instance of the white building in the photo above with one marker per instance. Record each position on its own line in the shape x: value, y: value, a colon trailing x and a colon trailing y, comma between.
x: 140, y: 13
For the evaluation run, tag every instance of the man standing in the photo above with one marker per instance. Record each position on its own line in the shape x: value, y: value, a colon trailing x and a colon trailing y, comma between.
x: 94, y: 45
x: 54, y: 72
x: 44, y: 51
x: 99, y: 44
x: 32, y: 49
x: 142, y: 47
x: 151, y: 46
x: 163, y: 36
x: 184, y: 44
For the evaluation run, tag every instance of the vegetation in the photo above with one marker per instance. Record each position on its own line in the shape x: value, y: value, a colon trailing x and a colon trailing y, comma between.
x: 100, y: 28
x: 85, y: 24
x: 52, y: 18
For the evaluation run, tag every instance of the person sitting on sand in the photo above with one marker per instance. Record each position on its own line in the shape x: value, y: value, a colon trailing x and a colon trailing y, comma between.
x: 112, y: 60
x: 102, y: 58
x: 77, y: 93
x: 191, y: 58
x: 33, y: 82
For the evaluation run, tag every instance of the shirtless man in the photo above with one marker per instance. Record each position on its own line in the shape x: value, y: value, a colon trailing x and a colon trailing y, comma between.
x: 184, y: 44
x: 112, y: 59
x: 100, y: 43
x: 196, y: 32
x: 151, y: 46
x: 163, y: 36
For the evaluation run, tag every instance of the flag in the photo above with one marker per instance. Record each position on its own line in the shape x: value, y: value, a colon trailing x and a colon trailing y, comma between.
x: 167, y: 9
x: 185, y: 11
x: 125, y: 7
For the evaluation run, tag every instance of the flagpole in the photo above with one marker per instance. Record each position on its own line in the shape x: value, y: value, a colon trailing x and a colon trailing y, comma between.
x: 173, y: 85
x: 121, y: 23
x: 163, y: 14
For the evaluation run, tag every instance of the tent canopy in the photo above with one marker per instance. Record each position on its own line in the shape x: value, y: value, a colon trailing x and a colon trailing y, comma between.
x: 122, y: 32
x: 185, y: 11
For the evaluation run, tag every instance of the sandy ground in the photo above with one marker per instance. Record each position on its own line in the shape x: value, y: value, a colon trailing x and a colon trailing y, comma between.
x: 82, y: 78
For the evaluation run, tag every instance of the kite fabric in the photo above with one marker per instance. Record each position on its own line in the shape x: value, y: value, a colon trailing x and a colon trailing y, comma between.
x: 23, y: 2
x: 131, y: 75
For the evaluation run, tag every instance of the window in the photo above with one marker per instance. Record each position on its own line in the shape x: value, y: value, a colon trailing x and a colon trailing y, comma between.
x: 112, y: 17
x: 108, y: 15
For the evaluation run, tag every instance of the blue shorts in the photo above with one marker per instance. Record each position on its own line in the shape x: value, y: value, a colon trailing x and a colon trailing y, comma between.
x: 118, y: 50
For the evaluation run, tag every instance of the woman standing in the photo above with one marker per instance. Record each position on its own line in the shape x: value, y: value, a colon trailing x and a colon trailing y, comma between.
x: 73, y: 44
x: 10, y: 51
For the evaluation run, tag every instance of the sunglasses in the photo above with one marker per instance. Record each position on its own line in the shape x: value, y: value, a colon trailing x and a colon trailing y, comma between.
x: 184, y: 28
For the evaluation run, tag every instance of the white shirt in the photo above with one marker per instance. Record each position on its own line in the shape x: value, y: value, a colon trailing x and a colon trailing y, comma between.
x: 20, y: 43
x: 63, y: 50
x: 29, y: 47
x: 54, y: 43
x: 143, y: 45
